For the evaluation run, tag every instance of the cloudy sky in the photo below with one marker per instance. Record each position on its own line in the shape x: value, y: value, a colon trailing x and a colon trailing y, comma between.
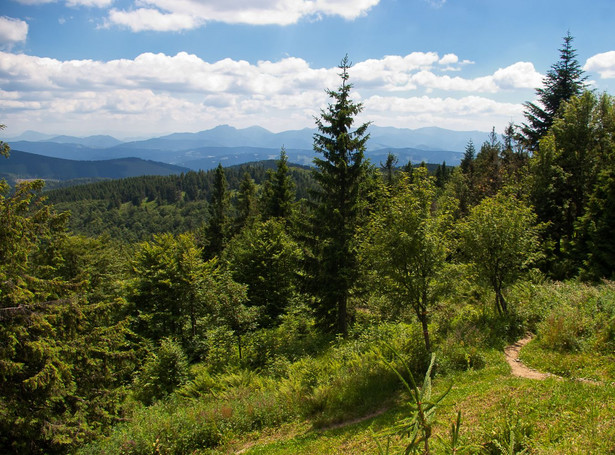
x: 137, y: 68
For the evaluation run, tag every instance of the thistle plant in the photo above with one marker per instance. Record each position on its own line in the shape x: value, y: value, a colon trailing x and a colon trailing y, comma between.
x: 418, y: 426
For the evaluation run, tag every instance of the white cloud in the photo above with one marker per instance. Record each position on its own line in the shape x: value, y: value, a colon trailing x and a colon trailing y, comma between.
x: 35, y: 2
x: 254, y: 12
x: 152, y: 19
x: 603, y: 64
x: 90, y: 3
x: 518, y: 75
x: 471, y: 112
x: 96, y: 3
x: 157, y: 92
x: 12, y: 31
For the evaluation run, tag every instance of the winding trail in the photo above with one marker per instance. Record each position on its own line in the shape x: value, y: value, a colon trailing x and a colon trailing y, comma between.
x: 517, y: 368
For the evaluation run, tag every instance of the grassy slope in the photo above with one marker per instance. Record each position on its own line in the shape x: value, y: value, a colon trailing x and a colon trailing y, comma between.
x: 549, y: 417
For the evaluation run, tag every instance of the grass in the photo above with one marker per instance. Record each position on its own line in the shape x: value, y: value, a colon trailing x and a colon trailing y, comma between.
x: 314, y: 405
x: 547, y: 417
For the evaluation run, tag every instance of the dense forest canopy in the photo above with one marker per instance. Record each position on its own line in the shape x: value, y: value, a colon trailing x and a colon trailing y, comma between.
x: 135, y: 303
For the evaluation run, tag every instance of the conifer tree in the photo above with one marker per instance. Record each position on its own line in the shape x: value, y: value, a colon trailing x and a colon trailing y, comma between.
x: 468, y: 158
x: 246, y: 202
x: 564, y: 80
x: 279, y: 190
x: 340, y: 173
x: 217, y: 231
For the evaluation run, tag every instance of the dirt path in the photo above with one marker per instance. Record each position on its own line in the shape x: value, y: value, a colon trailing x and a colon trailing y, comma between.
x: 516, y: 366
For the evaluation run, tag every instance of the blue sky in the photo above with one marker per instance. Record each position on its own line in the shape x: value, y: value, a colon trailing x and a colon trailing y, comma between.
x: 149, y: 67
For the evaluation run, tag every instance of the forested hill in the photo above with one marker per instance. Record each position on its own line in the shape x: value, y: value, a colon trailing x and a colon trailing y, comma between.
x: 132, y: 209
x: 23, y: 165
x: 168, y: 189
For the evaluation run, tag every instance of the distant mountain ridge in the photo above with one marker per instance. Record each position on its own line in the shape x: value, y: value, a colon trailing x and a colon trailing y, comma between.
x: 24, y: 165
x: 228, y: 145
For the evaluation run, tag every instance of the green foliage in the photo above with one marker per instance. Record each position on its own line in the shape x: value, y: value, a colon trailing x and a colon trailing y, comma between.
x: 163, y: 371
x: 217, y: 231
x: 265, y: 258
x: 171, y: 287
x: 500, y: 238
x: 63, y: 336
x: 278, y: 191
x: 247, y: 206
x: 405, y: 244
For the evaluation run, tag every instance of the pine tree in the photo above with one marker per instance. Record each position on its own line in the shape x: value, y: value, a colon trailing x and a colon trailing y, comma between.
x: 340, y: 174
x: 564, y: 80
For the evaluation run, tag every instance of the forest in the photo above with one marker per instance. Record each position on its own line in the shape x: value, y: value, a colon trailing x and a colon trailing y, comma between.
x: 350, y: 307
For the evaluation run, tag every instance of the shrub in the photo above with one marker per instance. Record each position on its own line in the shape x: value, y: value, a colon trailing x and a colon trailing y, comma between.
x: 162, y: 373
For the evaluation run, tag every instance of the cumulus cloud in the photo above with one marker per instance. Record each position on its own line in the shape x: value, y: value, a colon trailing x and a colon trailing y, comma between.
x: 471, y: 112
x: 253, y: 12
x: 184, y: 92
x: 603, y: 64
x: 12, y: 31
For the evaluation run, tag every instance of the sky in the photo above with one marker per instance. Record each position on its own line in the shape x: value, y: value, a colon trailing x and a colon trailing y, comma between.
x: 145, y: 68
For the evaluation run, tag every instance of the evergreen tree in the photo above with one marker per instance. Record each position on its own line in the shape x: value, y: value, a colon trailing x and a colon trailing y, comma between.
x: 564, y: 80
x: 279, y: 190
x: 340, y: 174
x: 388, y: 168
x: 468, y: 158
x: 487, y: 178
x: 246, y: 202
x: 217, y: 231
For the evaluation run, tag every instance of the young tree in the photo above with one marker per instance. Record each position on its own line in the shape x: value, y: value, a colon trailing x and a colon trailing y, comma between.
x: 564, y: 80
x: 405, y: 247
x: 340, y: 174
x: 169, y: 288
x: 487, y: 177
x: 467, y: 162
x: 279, y: 191
x: 500, y: 238
x: 265, y: 258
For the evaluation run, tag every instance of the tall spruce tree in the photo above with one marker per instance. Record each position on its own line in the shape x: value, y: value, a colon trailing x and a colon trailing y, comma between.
x: 564, y: 80
x: 340, y: 174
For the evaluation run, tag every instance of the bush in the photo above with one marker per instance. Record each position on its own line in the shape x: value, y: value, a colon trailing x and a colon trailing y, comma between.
x: 162, y: 373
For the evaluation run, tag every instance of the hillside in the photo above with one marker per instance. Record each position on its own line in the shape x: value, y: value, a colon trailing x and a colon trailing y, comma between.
x: 23, y: 165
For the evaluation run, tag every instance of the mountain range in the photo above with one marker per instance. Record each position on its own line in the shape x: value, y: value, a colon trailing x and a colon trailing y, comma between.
x: 228, y: 145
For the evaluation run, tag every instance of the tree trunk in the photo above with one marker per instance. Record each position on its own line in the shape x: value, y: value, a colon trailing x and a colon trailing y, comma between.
x: 423, y: 318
